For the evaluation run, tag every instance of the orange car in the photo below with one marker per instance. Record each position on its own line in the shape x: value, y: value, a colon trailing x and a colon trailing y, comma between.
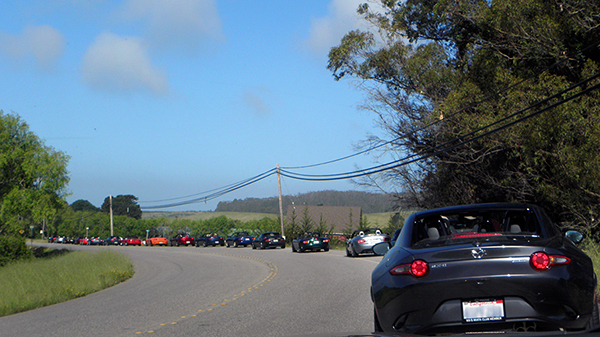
x: 157, y: 241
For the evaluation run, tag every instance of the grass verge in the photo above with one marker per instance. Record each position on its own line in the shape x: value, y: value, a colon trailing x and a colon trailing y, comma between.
x: 59, y: 277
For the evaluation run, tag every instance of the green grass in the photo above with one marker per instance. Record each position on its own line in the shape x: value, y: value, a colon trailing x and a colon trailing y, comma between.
x: 59, y: 277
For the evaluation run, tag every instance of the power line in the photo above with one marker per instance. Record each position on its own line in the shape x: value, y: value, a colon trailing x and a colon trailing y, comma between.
x: 397, y: 163
x: 451, y: 144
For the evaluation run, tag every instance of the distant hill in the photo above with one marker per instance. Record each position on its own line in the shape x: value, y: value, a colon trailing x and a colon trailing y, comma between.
x: 369, y: 202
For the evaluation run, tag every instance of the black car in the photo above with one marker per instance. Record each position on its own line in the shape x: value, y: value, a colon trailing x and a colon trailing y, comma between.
x: 239, y: 239
x: 312, y: 241
x: 483, y: 268
x: 112, y: 241
x: 210, y: 239
x: 269, y: 240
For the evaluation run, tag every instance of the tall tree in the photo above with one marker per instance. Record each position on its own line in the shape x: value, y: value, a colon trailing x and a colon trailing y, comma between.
x: 123, y: 205
x: 33, y: 177
x: 439, y: 74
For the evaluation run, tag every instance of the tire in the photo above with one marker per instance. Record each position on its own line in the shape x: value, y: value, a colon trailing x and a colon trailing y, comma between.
x: 235, y: 244
x: 204, y: 244
x: 376, y: 324
x: 253, y: 246
x: 594, y: 321
x: 283, y: 247
x: 262, y: 246
x: 348, y: 252
x: 293, y: 248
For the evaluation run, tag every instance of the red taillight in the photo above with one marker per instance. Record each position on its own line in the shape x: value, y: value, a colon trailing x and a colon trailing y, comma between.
x: 417, y: 268
x: 361, y: 241
x: 541, y: 261
x: 325, y: 240
x: 305, y: 242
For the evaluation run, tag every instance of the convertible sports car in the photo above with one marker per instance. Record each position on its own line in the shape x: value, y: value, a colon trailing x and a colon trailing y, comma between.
x: 363, y: 240
x: 483, y: 268
x: 157, y: 241
x: 239, y: 239
x: 268, y: 240
x: 181, y: 240
x: 210, y: 239
x: 310, y: 241
x: 131, y: 242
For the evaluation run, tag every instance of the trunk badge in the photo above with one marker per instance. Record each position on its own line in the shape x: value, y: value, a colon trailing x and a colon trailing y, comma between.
x: 478, y: 252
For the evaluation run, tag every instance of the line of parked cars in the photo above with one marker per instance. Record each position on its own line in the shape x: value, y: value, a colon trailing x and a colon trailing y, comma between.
x: 361, y: 242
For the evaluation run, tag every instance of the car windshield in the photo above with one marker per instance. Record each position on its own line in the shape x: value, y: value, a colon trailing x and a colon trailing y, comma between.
x: 450, y: 228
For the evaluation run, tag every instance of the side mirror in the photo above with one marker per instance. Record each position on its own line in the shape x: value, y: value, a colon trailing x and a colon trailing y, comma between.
x: 381, y: 248
x: 574, y: 236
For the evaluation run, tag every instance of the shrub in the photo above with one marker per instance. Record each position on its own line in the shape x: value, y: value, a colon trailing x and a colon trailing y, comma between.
x: 12, y: 249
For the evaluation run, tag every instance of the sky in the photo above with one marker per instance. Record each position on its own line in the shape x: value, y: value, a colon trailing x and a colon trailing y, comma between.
x: 165, y: 100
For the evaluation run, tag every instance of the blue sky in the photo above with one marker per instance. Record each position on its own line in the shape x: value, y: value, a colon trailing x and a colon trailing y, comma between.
x: 165, y: 99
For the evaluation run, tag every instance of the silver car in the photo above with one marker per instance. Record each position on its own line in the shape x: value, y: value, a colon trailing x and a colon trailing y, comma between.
x: 363, y: 240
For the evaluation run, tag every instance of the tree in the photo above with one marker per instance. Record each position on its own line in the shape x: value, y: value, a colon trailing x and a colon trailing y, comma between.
x: 442, y: 72
x: 123, y: 205
x: 33, y: 177
x: 83, y: 205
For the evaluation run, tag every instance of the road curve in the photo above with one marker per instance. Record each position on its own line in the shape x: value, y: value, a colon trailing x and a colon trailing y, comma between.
x: 216, y: 291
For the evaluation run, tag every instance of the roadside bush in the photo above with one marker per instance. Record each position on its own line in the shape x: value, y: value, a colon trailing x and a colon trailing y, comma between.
x: 12, y: 249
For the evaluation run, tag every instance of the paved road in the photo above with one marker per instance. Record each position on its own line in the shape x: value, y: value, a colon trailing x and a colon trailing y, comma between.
x: 216, y: 291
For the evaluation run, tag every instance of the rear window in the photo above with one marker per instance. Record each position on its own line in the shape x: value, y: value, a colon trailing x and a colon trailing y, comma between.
x: 456, y: 227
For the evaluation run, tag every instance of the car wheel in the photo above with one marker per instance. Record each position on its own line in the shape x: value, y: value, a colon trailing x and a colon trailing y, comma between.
x: 253, y: 246
x: 205, y: 244
x: 293, y: 249
x: 594, y: 321
x: 376, y: 324
x: 347, y: 252
x: 235, y: 244
x: 283, y: 247
x: 262, y: 246
x: 354, y: 254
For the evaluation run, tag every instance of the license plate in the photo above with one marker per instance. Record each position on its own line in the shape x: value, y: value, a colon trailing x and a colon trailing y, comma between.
x: 316, y: 241
x: 217, y: 242
x: 488, y: 310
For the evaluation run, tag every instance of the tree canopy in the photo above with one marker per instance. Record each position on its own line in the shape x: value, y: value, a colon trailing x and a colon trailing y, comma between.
x: 123, y: 205
x: 33, y: 177
x: 490, y: 100
x: 84, y: 205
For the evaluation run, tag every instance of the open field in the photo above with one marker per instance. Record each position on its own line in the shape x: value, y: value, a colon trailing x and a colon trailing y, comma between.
x: 242, y: 216
x: 374, y: 219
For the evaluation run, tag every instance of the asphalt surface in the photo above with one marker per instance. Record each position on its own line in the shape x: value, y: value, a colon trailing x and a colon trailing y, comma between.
x: 216, y: 291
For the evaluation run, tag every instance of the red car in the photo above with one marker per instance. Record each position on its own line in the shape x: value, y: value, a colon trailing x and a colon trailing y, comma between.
x: 131, y: 242
x: 181, y: 240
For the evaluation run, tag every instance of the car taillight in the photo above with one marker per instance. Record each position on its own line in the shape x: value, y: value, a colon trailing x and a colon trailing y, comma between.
x: 325, y: 240
x: 541, y: 261
x: 305, y: 242
x: 418, y: 268
x: 361, y: 241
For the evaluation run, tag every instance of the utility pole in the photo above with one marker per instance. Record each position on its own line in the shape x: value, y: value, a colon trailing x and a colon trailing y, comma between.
x: 280, y: 202
x: 111, y: 216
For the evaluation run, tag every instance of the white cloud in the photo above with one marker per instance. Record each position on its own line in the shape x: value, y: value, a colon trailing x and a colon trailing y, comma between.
x: 326, y: 32
x: 184, y: 24
x: 119, y: 64
x: 44, y: 44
